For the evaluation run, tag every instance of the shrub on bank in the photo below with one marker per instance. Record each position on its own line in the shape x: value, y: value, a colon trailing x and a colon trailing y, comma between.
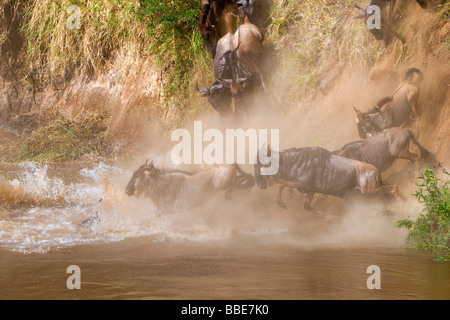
x: 431, y: 230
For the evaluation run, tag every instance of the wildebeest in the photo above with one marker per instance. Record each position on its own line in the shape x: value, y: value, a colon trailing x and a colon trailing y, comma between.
x: 173, y: 190
x: 392, y: 111
x: 247, y: 9
x: 316, y: 170
x: 382, y: 149
x: 217, y: 18
x: 219, y: 96
x: 385, y: 30
x: 237, y: 70
x: 256, y: 11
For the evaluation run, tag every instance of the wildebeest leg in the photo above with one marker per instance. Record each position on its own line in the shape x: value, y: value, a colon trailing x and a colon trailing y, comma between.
x: 409, y: 156
x: 307, y: 205
x: 280, y: 201
x: 87, y: 223
x: 263, y: 84
x: 414, y: 113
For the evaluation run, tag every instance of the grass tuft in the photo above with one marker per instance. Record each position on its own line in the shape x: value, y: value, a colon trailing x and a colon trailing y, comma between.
x: 64, y: 139
x: 315, y: 36
x: 164, y: 31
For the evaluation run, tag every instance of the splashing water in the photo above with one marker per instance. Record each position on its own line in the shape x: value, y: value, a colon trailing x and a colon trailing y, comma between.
x: 39, y: 213
x: 52, y: 207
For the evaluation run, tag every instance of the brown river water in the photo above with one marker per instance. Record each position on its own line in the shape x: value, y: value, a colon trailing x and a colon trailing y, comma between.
x: 244, y: 249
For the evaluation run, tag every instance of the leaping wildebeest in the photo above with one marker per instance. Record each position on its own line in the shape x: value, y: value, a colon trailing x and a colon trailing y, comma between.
x: 316, y: 170
x: 393, y: 111
x: 237, y: 70
x: 382, y: 149
x: 173, y: 190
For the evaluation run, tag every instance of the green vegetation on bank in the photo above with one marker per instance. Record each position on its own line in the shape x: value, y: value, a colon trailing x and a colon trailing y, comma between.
x: 165, y: 31
x: 60, y: 140
x: 106, y: 26
x: 315, y: 41
x: 431, y: 230
x: 315, y: 37
x: 311, y: 36
x: 175, y: 42
x: 65, y: 139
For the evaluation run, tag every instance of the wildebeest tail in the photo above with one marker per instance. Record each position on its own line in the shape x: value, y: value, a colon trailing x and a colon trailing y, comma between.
x: 410, y: 75
x: 424, y: 153
x: 244, y: 180
x: 349, y: 149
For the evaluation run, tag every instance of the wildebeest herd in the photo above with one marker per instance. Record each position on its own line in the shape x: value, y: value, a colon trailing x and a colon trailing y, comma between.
x: 237, y: 49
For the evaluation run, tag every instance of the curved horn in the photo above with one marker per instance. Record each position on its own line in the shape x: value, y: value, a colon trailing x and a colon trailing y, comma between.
x: 362, y: 12
x: 215, y: 87
x: 205, y: 90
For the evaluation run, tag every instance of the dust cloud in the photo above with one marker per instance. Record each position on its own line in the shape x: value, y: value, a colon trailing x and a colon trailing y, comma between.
x: 325, y: 119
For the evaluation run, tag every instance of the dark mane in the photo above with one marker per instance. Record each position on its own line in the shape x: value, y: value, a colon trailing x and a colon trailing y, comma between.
x: 310, y: 151
x: 350, y: 147
x: 183, y: 172
x: 304, y: 155
x: 163, y: 171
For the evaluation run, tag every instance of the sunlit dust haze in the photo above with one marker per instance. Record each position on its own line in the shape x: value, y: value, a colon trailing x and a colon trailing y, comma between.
x: 44, y: 206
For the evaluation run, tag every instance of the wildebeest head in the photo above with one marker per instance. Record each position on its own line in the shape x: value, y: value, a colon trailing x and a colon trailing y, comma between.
x: 376, y: 18
x: 224, y: 90
x: 238, y: 77
x: 378, y: 33
x: 366, y: 126
x: 248, y: 8
x: 220, y: 98
x: 141, y: 179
